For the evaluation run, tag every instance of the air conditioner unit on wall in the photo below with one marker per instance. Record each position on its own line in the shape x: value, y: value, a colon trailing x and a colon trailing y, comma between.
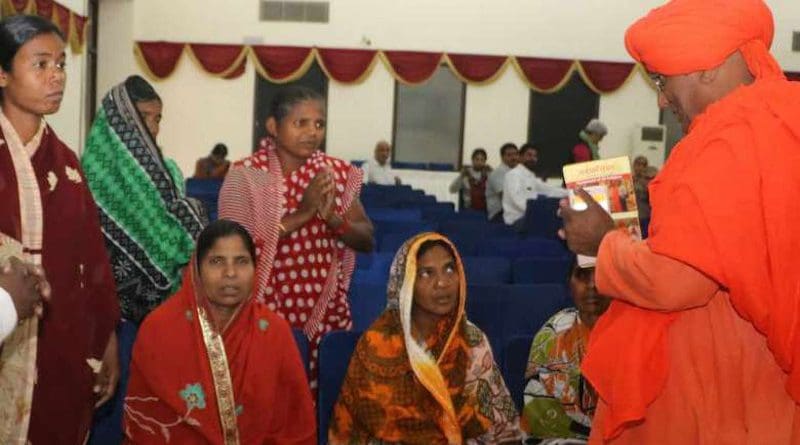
x: 649, y: 141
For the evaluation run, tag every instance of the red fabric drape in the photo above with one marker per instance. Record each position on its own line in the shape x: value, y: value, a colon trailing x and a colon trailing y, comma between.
x: 19, y: 5
x: 477, y: 68
x: 61, y: 18
x: 607, y: 76
x: 544, y: 73
x: 346, y: 65
x: 280, y: 62
x: 161, y: 57
x: 413, y: 66
x: 238, y: 71
x: 44, y: 8
x: 80, y: 28
x: 216, y: 59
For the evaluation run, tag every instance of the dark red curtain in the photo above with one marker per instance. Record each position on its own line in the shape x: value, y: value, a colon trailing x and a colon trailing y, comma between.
x: 280, y: 62
x: 413, y: 66
x: 477, y: 68
x: 544, y: 74
x: 19, y: 5
x: 61, y: 19
x: 217, y: 59
x: 161, y: 57
x: 44, y: 8
x: 346, y: 65
x: 607, y: 76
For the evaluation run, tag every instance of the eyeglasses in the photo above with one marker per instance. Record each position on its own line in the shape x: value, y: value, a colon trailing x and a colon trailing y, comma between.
x: 659, y: 82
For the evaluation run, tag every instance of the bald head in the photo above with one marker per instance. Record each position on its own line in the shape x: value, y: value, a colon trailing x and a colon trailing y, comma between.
x: 382, y: 151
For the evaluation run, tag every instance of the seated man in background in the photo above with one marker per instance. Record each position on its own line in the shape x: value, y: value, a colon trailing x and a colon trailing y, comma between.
x: 559, y: 401
x: 378, y: 170
x: 214, y: 166
x: 522, y: 184
x: 509, y: 155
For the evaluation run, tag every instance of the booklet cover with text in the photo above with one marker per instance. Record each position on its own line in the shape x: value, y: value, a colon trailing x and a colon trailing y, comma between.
x: 610, y: 183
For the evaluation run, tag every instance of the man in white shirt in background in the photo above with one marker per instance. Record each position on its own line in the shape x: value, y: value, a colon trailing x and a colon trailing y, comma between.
x: 378, y: 170
x: 22, y: 289
x: 522, y: 184
x: 509, y: 154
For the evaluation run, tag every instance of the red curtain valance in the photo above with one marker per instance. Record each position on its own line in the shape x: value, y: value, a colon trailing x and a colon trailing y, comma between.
x: 72, y: 25
x: 283, y: 64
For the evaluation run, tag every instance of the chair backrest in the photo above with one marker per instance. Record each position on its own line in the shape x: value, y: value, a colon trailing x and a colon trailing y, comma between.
x: 518, y: 248
x: 367, y: 302
x: 487, y: 270
x: 476, y: 228
x: 203, y: 188
x: 394, y: 215
x: 334, y: 357
x: 509, y: 310
x: 541, y: 217
x: 540, y: 270
x: 517, y: 350
x: 301, y: 341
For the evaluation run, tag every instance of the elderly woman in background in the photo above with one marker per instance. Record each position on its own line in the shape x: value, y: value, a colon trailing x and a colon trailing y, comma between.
x: 588, y: 149
x: 423, y: 374
x: 213, y: 364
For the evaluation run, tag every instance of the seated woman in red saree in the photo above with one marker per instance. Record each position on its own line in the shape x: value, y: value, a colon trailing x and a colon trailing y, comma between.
x: 423, y: 374
x: 213, y: 365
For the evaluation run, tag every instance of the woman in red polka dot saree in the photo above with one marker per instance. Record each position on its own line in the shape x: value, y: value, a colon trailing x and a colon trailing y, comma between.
x: 301, y: 206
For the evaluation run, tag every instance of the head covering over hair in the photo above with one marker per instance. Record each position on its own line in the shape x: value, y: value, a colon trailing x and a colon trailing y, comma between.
x: 596, y: 127
x: 685, y: 36
x: 445, y: 391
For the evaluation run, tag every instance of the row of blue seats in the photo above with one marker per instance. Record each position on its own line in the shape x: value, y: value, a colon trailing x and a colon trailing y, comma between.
x: 337, y: 347
x: 400, y: 165
x: 500, y: 310
x: 488, y: 270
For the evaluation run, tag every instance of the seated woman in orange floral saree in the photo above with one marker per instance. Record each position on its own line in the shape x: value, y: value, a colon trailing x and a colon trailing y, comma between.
x: 212, y: 365
x: 422, y: 373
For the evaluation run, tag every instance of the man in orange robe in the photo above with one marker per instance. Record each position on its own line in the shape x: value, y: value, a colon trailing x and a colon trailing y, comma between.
x: 700, y: 345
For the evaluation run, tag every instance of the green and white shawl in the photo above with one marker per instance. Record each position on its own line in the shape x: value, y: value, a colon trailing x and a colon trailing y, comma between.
x: 149, y: 224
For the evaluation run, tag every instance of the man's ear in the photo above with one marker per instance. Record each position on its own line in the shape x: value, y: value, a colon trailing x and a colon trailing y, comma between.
x: 710, y: 75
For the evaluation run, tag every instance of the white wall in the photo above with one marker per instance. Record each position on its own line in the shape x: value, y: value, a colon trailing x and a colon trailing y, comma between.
x: 201, y: 110
x: 69, y: 121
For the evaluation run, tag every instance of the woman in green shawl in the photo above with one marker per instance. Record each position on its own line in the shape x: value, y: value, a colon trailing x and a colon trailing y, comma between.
x: 148, y: 222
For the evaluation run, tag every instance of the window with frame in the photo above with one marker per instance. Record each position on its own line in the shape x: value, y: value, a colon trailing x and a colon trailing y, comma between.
x: 429, y: 121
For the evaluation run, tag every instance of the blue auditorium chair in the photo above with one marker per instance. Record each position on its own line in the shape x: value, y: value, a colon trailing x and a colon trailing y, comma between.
x: 303, y: 346
x: 540, y: 270
x: 519, y: 248
x: 437, y: 211
x: 394, y: 214
x: 540, y: 218
x: 516, y: 353
x: 487, y: 270
x: 367, y: 302
x: 107, y: 422
x: 334, y: 357
x: 510, y: 310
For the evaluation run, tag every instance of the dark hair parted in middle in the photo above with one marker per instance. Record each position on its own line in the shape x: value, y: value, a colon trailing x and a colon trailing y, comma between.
x: 222, y: 228
x: 140, y: 90
x: 288, y: 97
